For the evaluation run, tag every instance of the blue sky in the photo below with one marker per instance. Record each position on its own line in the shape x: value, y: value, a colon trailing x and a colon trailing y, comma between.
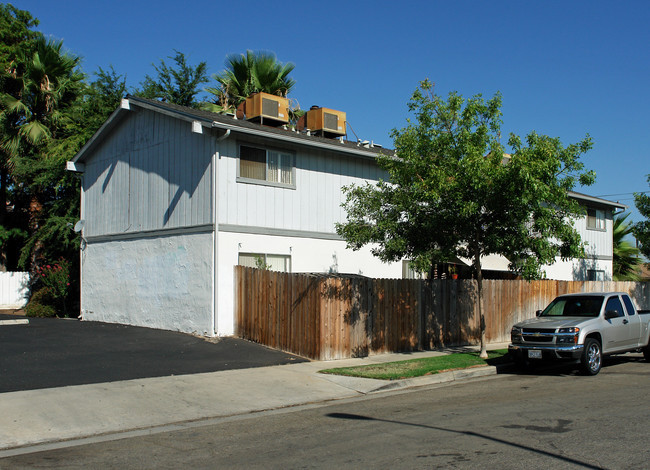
x: 565, y: 68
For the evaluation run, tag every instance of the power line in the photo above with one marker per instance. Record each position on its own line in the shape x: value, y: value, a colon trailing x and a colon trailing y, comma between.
x: 624, y: 194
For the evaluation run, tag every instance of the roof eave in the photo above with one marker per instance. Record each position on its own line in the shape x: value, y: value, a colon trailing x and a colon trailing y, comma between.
x: 335, y: 147
x: 597, y: 200
x: 111, y: 122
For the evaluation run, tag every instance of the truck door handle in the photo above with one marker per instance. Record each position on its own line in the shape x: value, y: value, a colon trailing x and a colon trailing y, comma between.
x: 625, y: 322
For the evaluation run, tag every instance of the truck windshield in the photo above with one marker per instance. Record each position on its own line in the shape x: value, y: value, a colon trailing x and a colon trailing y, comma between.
x: 574, y: 306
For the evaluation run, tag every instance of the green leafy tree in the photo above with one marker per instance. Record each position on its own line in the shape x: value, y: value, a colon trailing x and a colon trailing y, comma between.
x: 453, y: 192
x: 16, y: 36
x: 47, y: 85
x: 246, y: 74
x: 47, y: 112
x: 178, y: 84
x: 642, y: 229
x: 95, y: 104
x: 627, y: 258
x: 39, y: 84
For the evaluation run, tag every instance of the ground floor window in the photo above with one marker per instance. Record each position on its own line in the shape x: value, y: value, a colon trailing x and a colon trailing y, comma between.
x: 595, y: 275
x: 409, y: 272
x: 281, y: 263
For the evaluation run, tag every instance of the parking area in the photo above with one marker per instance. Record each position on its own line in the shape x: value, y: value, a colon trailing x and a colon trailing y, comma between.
x: 51, y: 352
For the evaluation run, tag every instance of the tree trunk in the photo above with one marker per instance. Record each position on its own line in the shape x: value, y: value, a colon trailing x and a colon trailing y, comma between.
x: 479, y: 280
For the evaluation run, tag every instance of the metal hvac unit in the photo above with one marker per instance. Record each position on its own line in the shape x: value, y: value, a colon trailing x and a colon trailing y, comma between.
x: 326, y: 121
x: 267, y: 109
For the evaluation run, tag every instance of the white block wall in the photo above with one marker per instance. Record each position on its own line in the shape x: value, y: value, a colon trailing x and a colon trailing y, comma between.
x: 158, y: 282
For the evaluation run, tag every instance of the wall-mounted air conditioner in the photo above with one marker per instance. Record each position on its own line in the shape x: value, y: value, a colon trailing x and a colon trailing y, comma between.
x: 327, y: 121
x: 267, y: 109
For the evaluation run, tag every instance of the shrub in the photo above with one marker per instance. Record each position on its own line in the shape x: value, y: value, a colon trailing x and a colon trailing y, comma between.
x: 55, y: 278
x: 41, y: 304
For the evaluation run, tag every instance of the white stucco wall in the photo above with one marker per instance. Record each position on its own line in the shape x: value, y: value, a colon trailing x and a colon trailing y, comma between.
x: 576, y: 270
x: 158, y: 282
x: 307, y: 255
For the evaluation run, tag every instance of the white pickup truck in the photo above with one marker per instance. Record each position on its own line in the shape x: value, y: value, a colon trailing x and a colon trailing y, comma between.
x: 582, y: 327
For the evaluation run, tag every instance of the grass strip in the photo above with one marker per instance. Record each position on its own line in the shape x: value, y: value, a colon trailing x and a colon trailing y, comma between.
x: 419, y: 367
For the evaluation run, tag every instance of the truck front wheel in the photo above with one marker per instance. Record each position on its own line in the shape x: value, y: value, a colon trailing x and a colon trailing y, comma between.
x: 592, y: 357
x: 646, y: 352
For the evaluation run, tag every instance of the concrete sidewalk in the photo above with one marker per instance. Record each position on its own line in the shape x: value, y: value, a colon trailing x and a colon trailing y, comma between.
x: 67, y: 413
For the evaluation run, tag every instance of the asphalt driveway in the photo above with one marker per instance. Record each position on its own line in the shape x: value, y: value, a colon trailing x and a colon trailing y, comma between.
x: 51, y: 352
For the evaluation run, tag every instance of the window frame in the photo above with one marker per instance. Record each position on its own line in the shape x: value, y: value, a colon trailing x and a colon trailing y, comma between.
x: 629, y: 307
x: 268, y: 150
x: 264, y: 256
x: 594, y: 274
x: 614, y: 300
x: 597, y: 221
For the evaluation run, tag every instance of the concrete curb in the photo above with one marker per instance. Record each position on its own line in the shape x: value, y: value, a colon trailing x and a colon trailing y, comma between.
x: 68, y: 416
x: 368, y: 386
x: 107, y: 411
x: 20, y: 321
x: 435, y: 379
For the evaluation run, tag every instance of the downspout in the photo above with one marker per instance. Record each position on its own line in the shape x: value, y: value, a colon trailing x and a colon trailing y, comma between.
x: 215, y: 234
x: 225, y: 136
x: 83, y: 245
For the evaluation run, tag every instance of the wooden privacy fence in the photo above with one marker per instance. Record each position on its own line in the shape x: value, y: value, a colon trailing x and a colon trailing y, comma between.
x: 333, y: 317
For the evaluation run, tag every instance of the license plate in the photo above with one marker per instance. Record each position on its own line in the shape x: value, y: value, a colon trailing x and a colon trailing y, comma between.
x: 534, y: 354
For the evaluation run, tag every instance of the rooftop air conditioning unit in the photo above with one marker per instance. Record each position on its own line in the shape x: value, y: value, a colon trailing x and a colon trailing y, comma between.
x: 329, y: 122
x: 267, y: 109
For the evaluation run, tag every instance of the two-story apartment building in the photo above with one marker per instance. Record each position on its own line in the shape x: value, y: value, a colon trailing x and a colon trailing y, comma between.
x: 173, y: 198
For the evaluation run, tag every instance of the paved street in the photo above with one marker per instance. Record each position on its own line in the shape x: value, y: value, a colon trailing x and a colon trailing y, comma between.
x: 51, y: 352
x: 551, y: 418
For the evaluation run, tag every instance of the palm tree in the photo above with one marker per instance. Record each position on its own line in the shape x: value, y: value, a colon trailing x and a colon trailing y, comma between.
x: 16, y: 36
x: 249, y: 73
x: 46, y: 82
x: 627, y: 259
x: 37, y: 94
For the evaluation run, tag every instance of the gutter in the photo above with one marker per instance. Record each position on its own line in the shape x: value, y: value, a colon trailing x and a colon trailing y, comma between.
x: 596, y: 200
x: 289, y: 138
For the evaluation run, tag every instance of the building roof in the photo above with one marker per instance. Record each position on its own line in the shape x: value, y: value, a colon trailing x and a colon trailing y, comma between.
x: 596, y: 201
x: 227, y: 123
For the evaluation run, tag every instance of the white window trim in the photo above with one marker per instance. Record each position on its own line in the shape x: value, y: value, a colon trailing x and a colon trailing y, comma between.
x: 598, y: 274
x: 264, y: 258
x: 603, y: 220
x: 266, y: 182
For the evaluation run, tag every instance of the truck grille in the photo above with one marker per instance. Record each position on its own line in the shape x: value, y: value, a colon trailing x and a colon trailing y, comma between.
x: 537, y: 335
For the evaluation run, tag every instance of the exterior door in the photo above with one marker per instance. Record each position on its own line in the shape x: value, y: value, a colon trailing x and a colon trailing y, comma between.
x: 617, y: 334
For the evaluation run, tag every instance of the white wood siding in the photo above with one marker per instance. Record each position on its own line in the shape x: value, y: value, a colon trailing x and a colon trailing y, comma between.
x: 13, y: 289
x: 599, y: 242
x: 313, y: 206
x: 150, y: 173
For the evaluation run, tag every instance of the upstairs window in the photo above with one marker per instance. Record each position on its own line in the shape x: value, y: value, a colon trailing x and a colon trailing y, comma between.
x: 595, y: 219
x: 270, y: 166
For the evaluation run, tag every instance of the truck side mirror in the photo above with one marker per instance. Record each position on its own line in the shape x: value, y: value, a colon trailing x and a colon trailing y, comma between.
x: 609, y: 314
x: 538, y: 313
